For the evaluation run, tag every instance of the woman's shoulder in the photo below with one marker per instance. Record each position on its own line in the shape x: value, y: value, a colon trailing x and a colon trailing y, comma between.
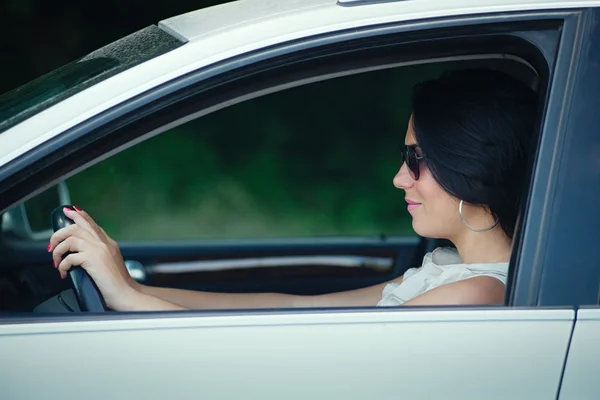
x: 440, y: 267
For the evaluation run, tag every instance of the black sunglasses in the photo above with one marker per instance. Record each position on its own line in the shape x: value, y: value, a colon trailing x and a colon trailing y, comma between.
x: 411, y: 158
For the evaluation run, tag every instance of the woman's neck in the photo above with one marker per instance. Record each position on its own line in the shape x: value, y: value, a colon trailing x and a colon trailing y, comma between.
x: 483, y: 247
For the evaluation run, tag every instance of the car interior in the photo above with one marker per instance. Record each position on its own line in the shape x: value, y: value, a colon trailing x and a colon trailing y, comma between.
x: 299, y: 265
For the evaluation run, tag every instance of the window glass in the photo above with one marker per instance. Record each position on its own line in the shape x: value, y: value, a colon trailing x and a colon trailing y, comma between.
x: 317, y: 160
x: 40, y: 207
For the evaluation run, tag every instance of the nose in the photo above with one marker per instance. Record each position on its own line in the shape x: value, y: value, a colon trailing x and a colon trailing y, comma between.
x: 402, y: 179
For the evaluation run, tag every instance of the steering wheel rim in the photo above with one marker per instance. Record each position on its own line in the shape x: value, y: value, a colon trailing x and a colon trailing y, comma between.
x: 87, y: 293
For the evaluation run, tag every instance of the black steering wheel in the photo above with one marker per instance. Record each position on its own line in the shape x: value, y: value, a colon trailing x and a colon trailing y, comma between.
x: 87, y: 293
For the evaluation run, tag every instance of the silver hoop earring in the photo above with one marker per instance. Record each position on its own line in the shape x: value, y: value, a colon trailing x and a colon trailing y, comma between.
x: 462, y: 217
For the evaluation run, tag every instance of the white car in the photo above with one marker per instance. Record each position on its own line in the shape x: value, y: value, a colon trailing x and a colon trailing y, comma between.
x: 542, y: 344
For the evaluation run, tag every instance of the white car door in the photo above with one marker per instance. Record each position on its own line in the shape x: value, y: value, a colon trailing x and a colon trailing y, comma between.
x: 493, y: 353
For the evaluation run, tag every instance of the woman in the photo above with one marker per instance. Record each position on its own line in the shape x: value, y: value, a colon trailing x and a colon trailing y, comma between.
x: 465, y: 151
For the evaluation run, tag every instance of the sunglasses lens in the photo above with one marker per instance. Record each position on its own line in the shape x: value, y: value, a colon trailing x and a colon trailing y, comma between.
x: 412, y: 162
x: 410, y: 157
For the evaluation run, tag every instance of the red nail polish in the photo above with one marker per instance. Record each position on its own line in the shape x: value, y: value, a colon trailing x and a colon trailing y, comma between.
x: 66, y: 209
x: 77, y: 208
x: 54, y: 263
x: 49, y: 246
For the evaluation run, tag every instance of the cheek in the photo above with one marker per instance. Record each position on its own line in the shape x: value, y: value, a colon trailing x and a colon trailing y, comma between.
x: 447, y: 210
x: 438, y: 202
x: 431, y: 192
x: 440, y: 210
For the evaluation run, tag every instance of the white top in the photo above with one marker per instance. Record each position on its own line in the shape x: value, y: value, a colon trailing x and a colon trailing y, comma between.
x: 440, y: 267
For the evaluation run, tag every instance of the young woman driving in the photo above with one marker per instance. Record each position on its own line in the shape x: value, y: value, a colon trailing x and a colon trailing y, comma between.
x: 466, y: 146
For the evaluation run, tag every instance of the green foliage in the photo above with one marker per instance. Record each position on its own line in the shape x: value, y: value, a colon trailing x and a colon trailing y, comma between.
x: 313, y: 160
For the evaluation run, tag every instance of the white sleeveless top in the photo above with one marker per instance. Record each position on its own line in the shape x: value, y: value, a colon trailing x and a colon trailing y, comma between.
x: 441, y: 266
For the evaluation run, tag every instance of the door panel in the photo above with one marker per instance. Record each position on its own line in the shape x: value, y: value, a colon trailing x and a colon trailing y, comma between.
x: 493, y: 353
x: 298, y: 266
x: 309, y: 266
x: 581, y: 371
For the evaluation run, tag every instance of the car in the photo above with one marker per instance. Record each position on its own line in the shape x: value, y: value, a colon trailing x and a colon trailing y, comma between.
x: 67, y: 129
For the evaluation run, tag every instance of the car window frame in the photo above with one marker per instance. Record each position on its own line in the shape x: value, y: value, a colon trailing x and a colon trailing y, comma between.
x: 550, y: 279
x: 130, y: 115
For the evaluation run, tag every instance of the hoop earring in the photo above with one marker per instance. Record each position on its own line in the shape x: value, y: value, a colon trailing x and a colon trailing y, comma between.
x: 462, y: 217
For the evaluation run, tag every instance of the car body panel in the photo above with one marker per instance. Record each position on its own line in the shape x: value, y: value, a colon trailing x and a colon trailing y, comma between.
x: 240, y: 38
x: 580, y: 380
x: 234, y: 15
x: 340, y: 354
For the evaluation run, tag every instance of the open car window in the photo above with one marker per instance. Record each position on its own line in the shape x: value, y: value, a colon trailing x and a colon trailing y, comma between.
x: 288, y: 189
x: 312, y: 161
x: 216, y: 203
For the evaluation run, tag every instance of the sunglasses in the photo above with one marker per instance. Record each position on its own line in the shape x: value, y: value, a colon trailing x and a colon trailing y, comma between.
x: 412, y: 159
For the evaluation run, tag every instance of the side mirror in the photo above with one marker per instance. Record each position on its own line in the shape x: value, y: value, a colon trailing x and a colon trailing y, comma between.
x: 30, y: 219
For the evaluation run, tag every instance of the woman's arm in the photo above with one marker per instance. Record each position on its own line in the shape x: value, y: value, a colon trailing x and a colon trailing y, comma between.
x: 100, y: 256
x: 368, y: 296
x: 482, y: 290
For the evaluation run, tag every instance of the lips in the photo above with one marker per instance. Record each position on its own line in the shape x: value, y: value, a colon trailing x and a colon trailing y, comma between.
x: 412, y: 204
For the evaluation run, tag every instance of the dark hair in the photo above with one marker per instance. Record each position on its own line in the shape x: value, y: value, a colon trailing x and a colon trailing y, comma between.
x: 475, y: 128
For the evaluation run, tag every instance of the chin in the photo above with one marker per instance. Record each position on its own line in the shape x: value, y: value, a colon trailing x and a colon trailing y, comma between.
x: 419, y: 229
x: 427, y: 231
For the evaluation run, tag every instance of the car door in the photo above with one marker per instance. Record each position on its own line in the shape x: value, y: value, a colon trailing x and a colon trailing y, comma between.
x: 335, y: 354
x: 466, y: 352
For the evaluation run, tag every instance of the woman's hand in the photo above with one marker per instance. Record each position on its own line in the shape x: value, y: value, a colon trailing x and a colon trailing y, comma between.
x: 95, y: 252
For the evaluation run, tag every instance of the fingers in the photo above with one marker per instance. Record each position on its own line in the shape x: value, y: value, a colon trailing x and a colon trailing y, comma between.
x: 81, y: 218
x: 93, y: 226
x: 80, y: 221
x: 84, y: 236
x: 61, y: 235
x: 89, y: 223
x: 74, y: 259
x: 72, y: 238
x: 70, y: 244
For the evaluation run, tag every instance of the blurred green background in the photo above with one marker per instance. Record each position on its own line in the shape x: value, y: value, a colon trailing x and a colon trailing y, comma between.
x: 310, y: 161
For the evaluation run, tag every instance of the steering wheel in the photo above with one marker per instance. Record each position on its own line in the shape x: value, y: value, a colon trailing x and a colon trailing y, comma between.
x: 87, y: 293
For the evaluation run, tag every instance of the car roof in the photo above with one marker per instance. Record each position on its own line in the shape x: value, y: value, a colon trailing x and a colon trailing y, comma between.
x: 221, y: 32
x: 195, y: 24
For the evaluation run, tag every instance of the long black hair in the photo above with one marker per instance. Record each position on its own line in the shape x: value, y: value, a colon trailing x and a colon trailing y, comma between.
x: 475, y: 128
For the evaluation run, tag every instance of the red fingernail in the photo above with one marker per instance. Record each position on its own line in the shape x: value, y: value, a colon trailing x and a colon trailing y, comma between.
x: 67, y: 209
x: 54, y: 263
x: 49, y: 246
x: 77, y: 208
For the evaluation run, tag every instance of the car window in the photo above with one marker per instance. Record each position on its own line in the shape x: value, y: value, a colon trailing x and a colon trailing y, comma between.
x: 312, y: 161
x: 316, y: 160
